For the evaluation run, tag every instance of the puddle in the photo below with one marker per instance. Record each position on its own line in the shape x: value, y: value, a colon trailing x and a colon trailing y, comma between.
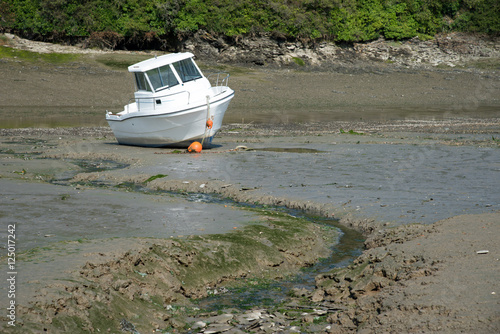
x: 87, y: 166
x: 99, y: 165
x: 289, y: 150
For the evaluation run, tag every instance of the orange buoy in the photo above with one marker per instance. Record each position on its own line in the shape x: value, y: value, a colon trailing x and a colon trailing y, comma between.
x: 195, y: 147
x: 210, y: 123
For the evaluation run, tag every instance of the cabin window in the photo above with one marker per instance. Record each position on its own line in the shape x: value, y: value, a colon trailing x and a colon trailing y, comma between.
x: 187, y: 70
x: 167, y: 76
x: 154, y: 78
x: 141, y: 82
x: 162, y: 77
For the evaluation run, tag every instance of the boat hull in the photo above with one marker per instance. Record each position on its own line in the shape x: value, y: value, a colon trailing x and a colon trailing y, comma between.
x: 175, y: 128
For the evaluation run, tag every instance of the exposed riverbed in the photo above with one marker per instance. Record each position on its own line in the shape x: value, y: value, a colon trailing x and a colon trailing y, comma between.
x: 108, y: 249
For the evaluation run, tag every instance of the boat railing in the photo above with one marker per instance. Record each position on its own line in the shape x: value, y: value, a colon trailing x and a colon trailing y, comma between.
x: 154, y: 101
x: 219, y: 79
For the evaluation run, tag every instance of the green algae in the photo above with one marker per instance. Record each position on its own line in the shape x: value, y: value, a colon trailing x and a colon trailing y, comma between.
x: 154, y: 177
x: 24, y: 55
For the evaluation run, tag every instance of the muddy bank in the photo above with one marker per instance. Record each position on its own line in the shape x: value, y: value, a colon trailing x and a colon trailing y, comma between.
x: 441, y: 279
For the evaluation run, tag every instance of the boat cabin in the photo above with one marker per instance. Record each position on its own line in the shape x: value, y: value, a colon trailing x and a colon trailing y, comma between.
x: 173, y: 76
x: 172, y: 104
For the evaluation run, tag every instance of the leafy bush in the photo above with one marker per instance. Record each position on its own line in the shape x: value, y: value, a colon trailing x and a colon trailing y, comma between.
x: 478, y: 16
x: 144, y: 21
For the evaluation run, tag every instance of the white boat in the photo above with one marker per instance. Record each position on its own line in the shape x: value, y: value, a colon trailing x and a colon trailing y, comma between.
x: 172, y: 104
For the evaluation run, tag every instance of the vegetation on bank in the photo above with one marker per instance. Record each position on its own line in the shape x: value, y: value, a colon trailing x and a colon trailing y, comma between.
x: 139, y: 23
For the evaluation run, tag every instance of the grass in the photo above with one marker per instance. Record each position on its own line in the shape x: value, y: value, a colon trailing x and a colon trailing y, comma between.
x: 120, y: 61
x: 33, y: 57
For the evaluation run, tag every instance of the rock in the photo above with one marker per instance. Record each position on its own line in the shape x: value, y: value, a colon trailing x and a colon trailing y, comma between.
x: 335, y: 329
x: 303, y: 292
x: 318, y: 295
x: 176, y: 323
x: 217, y: 328
x: 309, y: 318
x: 264, y: 49
x: 199, y: 324
x: 220, y: 319
x: 120, y: 284
x: 255, y: 315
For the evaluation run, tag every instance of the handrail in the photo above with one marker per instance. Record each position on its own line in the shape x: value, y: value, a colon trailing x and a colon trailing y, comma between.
x: 153, y: 100
x: 220, y: 81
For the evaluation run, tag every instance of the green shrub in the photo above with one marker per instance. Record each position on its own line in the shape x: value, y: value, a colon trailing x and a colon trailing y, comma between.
x: 338, y: 20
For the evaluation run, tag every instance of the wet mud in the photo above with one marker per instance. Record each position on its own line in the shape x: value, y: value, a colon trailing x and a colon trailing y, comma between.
x: 116, y: 238
x: 110, y: 259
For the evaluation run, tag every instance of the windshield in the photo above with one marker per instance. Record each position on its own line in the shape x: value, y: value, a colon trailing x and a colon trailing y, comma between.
x: 187, y: 70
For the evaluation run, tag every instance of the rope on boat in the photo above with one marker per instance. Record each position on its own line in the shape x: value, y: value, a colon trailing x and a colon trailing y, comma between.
x: 206, y: 121
x: 196, y: 147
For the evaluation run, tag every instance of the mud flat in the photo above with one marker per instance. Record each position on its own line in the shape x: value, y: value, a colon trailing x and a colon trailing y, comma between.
x: 143, y: 282
x: 115, y: 238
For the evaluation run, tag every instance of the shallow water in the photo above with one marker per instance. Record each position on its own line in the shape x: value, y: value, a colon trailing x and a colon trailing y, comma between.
x: 45, y: 213
x: 357, y: 113
x: 402, y: 183
x: 50, y: 117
